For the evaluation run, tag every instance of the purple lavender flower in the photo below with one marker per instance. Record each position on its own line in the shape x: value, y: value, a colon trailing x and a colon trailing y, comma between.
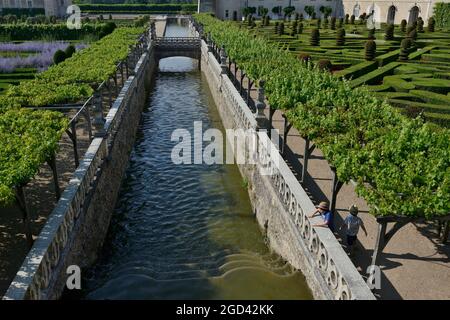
x: 40, y: 57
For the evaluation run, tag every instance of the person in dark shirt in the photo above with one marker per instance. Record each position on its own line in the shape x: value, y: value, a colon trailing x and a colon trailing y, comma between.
x: 326, y: 214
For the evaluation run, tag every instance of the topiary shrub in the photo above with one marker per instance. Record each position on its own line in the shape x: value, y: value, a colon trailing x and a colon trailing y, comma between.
x: 107, y: 28
x: 370, y: 50
x: 412, y: 34
x: 304, y: 57
x: 319, y: 23
x: 403, y: 25
x: 404, y: 49
x: 324, y: 64
x: 70, y: 50
x: 340, y: 37
x: 315, y: 37
x: 276, y: 27
x: 281, y: 29
x: 431, y: 24
x: 389, y: 32
x: 420, y: 24
x: 59, y: 57
x: 340, y: 23
x: 301, y: 17
x: 347, y: 16
x: 352, y: 19
x: 371, y: 34
x: 300, y: 28
x: 295, y: 25
x: 325, y: 23
x: 333, y: 23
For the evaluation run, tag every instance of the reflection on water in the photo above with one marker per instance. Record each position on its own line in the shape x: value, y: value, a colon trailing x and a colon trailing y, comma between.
x: 185, y: 231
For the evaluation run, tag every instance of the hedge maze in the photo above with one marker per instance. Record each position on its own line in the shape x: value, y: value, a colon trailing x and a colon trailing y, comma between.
x: 409, y: 65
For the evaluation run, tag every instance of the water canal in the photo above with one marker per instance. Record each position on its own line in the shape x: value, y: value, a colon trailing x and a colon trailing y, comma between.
x: 185, y: 231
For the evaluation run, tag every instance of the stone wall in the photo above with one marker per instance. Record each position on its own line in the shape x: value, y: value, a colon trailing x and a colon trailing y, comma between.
x: 281, y: 205
x: 76, y: 229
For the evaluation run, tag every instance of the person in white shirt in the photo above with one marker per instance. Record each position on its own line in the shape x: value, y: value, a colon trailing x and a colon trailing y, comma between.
x: 352, y: 223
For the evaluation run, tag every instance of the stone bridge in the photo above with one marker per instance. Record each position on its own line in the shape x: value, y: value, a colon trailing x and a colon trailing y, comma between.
x: 177, y: 47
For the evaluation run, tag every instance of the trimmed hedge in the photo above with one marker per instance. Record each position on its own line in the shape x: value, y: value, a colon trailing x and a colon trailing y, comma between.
x: 147, y: 8
x: 30, y: 12
x: 388, y: 57
x: 375, y: 76
x: 54, y: 31
x: 357, y: 70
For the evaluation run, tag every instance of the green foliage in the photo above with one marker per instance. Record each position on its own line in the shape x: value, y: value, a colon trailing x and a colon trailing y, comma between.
x: 315, y: 37
x: 352, y: 19
x: 370, y: 50
x: 300, y: 28
x: 340, y: 37
x: 405, y: 46
x: 442, y: 14
x: 431, y: 24
x: 403, y: 25
x: 70, y: 50
x: 420, y: 24
x: 310, y: 10
x: 324, y: 64
x: 54, y: 31
x: 27, y: 139
x: 389, y: 32
x: 138, y: 8
x: 401, y: 165
x: 346, y: 18
x: 59, y: 57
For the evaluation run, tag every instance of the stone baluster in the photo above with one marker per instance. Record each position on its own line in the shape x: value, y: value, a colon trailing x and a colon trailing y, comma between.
x: 260, y: 106
x: 153, y: 31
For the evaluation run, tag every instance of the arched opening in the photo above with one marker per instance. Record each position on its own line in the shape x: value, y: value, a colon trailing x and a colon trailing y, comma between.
x: 391, y: 15
x: 178, y: 64
x: 356, y: 10
x: 413, y: 15
x: 373, y: 16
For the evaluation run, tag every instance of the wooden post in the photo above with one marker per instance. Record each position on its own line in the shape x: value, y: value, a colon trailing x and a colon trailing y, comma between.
x: 379, y: 245
x: 287, y: 128
x: 22, y: 203
x: 109, y: 93
x: 305, y: 160
x: 52, y: 163
x: 75, y: 143
x: 336, y: 187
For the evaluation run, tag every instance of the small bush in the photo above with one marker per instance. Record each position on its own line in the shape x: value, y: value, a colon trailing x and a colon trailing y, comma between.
x: 324, y: 64
x: 340, y: 23
x: 300, y: 28
x: 340, y: 37
x: 420, y: 24
x: 431, y: 24
x: 389, y: 32
x: 403, y: 25
x: 347, y: 17
x: 70, y: 50
x: 371, y: 35
x: 59, y: 57
x: 333, y: 21
x: 281, y: 29
x: 304, y: 57
x: 319, y: 23
x: 315, y: 37
x: 325, y: 23
x: 412, y: 34
x: 370, y: 50
x: 404, y: 49
x: 352, y: 19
